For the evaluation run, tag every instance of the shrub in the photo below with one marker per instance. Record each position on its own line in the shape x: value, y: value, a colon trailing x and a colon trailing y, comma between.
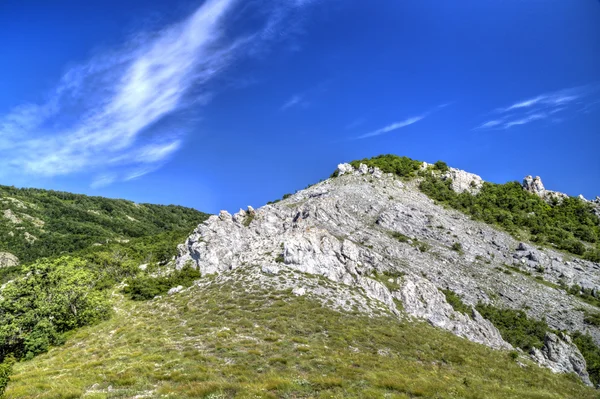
x: 400, y: 237
x: 52, y: 298
x: 400, y: 166
x: 591, y: 354
x: 516, y: 328
x: 457, y: 246
x: 441, y: 166
x: 5, y: 371
x: 147, y: 287
x: 456, y: 303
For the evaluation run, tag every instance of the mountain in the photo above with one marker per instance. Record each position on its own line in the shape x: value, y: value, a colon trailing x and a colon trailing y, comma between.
x: 39, y: 223
x: 393, y: 278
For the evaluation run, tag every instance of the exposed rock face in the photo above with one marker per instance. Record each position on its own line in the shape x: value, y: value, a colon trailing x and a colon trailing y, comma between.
x: 9, y: 214
x: 7, y: 259
x: 560, y: 355
x: 463, y: 181
x: 422, y: 299
x: 535, y: 186
x: 345, y: 229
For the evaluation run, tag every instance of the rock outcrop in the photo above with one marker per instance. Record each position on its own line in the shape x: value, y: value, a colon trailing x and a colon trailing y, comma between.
x: 380, y: 242
x: 535, y: 186
x: 422, y: 299
x: 8, y: 260
x: 560, y: 355
x: 463, y: 181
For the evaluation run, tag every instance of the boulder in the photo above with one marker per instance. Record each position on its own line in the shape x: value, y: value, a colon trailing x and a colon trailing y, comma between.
x: 7, y: 259
x: 344, y: 168
x: 175, y: 290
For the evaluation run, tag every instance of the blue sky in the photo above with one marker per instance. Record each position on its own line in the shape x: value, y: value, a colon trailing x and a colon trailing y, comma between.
x: 226, y: 103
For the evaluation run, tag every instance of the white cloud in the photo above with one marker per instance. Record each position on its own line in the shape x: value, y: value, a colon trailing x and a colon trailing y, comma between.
x: 392, y: 127
x: 292, y: 102
x: 104, y: 115
x: 538, y: 108
x: 399, y: 125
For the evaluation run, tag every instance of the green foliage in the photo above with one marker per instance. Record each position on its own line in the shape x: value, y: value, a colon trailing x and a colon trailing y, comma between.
x: 516, y: 328
x: 146, y: 287
x: 457, y: 246
x: 441, y: 166
x: 65, y: 223
x: 400, y: 166
x: 564, y: 225
x: 52, y: 297
x: 591, y: 354
x: 592, y: 318
x: 457, y: 303
x: 6, y: 368
x: 399, y: 236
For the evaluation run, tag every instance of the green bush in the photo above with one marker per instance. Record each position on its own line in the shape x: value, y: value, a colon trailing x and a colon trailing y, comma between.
x: 400, y: 166
x: 147, y: 287
x: 457, y: 303
x: 516, y: 328
x: 400, y: 237
x: 5, y: 371
x: 457, y: 246
x: 52, y: 298
x: 441, y: 166
x: 591, y: 354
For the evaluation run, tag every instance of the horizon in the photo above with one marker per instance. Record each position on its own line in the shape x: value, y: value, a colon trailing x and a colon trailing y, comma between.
x: 218, y: 105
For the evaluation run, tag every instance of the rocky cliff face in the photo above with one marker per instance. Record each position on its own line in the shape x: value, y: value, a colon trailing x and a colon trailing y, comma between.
x: 380, y: 242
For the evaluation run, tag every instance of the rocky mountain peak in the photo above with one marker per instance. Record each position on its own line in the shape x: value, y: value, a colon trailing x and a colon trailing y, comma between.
x: 383, y: 244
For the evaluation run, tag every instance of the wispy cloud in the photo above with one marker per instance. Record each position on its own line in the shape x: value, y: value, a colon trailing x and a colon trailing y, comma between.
x: 107, y: 116
x: 295, y: 100
x: 392, y: 127
x: 540, y: 107
x: 399, y: 125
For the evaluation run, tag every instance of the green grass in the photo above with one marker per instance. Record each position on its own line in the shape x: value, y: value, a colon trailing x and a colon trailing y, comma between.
x: 222, y: 342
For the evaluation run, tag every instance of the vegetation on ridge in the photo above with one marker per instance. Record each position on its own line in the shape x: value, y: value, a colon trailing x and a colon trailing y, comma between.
x: 569, y: 224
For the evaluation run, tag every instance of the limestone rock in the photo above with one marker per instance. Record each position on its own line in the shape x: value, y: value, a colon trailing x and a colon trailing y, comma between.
x: 463, y: 181
x: 10, y: 215
x: 8, y: 260
x: 560, y: 355
x: 534, y: 185
x: 344, y: 168
x: 422, y: 299
x: 175, y: 290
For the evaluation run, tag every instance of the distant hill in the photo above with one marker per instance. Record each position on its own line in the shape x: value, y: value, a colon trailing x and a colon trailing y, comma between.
x: 38, y: 223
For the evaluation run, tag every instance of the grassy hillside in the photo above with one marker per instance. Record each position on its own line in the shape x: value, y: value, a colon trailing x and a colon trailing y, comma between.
x: 39, y: 223
x: 226, y: 340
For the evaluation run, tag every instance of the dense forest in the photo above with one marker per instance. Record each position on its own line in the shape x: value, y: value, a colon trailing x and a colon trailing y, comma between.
x: 39, y: 223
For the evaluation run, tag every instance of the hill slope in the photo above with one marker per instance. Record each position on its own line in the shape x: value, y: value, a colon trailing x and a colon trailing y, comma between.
x: 359, y: 286
x: 39, y: 223
x: 247, y: 336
